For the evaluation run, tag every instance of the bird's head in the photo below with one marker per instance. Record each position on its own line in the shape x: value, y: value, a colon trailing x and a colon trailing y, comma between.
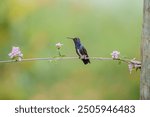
x: 75, y: 39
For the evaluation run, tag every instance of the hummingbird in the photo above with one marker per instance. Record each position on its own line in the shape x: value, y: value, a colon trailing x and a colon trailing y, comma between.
x: 80, y: 50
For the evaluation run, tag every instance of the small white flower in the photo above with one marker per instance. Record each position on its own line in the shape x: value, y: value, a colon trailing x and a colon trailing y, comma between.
x: 137, y: 66
x: 15, y: 53
x: 134, y: 61
x: 130, y: 66
x: 115, y: 54
x: 58, y: 45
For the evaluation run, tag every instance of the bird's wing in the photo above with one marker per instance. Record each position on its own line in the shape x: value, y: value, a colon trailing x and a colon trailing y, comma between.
x: 84, y: 51
x: 86, y: 59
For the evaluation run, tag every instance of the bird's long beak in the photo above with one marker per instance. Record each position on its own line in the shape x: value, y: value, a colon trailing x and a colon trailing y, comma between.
x: 69, y: 37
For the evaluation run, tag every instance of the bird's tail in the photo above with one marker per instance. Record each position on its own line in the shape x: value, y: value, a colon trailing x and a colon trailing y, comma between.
x: 86, y: 61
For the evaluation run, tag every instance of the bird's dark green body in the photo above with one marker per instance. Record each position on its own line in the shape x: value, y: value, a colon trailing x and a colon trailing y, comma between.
x: 81, y: 51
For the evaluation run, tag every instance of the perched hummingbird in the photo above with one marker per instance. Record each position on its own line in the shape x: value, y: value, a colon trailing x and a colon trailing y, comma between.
x: 80, y: 50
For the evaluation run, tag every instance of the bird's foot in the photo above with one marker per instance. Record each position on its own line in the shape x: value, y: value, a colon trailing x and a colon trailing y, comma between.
x: 83, y: 57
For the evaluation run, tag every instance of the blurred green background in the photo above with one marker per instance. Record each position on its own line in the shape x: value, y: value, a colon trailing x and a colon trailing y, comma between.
x: 37, y: 25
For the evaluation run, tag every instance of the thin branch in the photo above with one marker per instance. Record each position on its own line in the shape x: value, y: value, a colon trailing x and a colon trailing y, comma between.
x: 67, y: 58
